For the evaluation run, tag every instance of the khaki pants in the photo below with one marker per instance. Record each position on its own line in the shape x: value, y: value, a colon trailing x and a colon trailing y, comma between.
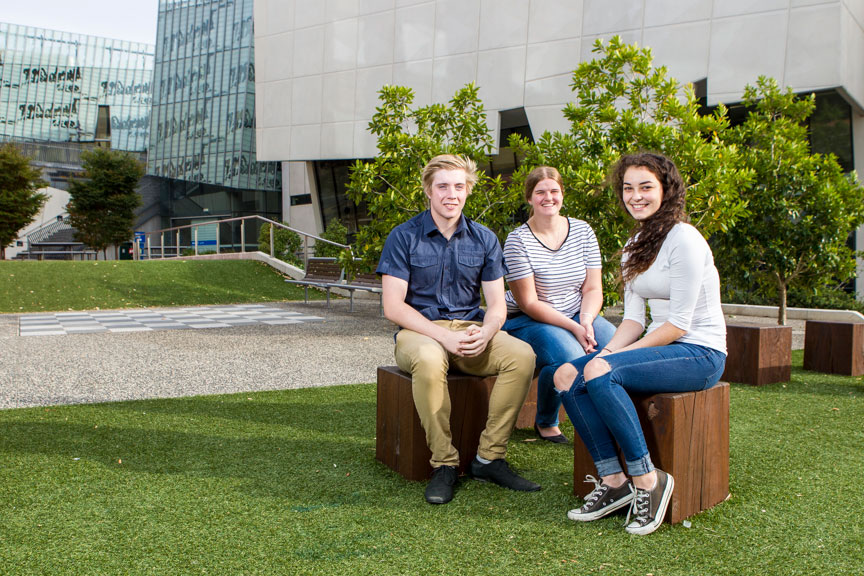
x: 508, y: 358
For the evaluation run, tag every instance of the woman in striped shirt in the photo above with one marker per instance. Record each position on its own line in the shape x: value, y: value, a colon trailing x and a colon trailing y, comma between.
x: 556, y: 291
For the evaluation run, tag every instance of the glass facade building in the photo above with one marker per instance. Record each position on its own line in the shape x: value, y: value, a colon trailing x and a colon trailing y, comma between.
x: 63, y: 87
x: 202, y: 130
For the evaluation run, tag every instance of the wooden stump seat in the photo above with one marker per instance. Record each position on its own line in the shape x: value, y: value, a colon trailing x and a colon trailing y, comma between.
x: 758, y: 354
x: 400, y: 441
x: 687, y: 434
x: 834, y: 347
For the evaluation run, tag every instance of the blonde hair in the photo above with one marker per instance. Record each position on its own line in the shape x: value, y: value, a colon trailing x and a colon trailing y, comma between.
x: 449, y: 162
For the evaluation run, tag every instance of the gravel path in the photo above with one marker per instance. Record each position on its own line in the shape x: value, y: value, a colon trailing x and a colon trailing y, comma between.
x: 82, y: 368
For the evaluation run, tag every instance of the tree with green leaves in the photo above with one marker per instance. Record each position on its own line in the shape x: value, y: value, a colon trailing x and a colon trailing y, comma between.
x: 102, y: 204
x: 407, y: 138
x: 803, y: 207
x: 624, y: 104
x: 20, y: 199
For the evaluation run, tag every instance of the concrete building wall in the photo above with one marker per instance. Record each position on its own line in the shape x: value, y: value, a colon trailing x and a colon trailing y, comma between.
x: 320, y: 64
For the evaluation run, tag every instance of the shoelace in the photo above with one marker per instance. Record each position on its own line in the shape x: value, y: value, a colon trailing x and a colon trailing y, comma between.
x: 639, y: 507
x: 598, y: 492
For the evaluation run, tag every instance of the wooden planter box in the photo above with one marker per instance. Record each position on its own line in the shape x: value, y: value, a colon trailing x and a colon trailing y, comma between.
x: 834, y: 347
x: 758, y: 354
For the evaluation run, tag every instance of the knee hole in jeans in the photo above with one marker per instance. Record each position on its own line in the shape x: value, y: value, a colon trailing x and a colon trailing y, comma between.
x: 595, y: 368
x: 564, y: 377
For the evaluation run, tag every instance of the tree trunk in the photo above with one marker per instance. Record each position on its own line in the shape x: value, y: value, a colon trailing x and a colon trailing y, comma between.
x: 781, y: 310
x: 2, y: 252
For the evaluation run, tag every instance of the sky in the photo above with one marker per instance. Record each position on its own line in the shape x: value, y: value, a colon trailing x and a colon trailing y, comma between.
x: 133, y: 20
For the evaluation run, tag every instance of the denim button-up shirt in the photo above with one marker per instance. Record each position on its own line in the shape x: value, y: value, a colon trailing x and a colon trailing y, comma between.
x: 444, y: 277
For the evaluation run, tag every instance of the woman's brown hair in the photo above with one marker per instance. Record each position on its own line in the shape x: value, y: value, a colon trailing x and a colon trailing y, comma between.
x: 648, y: 235
x: 539, y: 174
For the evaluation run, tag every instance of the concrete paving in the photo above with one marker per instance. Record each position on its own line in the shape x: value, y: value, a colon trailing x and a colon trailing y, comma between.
x: 81, y: 368
x: 345, y: 348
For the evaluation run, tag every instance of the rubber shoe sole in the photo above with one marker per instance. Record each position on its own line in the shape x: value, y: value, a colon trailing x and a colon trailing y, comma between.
x: 661, y: 511
x: 573, y: 514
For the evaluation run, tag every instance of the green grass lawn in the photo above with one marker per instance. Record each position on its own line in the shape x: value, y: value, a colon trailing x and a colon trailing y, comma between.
x: 287, y: 483
x: 54, y: 286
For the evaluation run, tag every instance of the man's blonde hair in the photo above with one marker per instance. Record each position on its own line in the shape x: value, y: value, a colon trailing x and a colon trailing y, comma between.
x: 449, y: 162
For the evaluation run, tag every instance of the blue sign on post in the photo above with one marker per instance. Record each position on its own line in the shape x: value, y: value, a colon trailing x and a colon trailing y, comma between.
x: 140, y: 239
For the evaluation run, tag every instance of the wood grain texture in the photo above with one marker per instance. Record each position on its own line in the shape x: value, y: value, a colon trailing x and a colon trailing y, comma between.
x: 834, y: 347
x: 758, y: 355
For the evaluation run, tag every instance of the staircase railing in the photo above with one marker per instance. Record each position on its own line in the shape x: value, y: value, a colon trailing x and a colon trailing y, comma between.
x: 154, y: 246
x: 40, y: 234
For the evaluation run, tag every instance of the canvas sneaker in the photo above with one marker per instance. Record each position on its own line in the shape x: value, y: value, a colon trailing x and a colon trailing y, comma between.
x: 602, y: 501
x: 649, y: 506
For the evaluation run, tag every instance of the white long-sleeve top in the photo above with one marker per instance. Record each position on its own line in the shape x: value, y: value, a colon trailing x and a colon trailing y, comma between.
x: 682, y: 287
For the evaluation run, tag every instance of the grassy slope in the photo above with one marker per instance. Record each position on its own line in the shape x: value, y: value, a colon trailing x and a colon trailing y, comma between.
x: 286, y: 482
x: 53, y: 286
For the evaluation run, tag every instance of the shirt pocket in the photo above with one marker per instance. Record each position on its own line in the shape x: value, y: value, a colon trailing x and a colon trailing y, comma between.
x: 423, y: 270
x: 470, y: 266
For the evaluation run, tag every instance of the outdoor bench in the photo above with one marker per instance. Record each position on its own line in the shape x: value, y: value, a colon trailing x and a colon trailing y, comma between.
x: 687, y: 435
x: 370, y: 282
x: 322, y: 273
x: 834, y: 347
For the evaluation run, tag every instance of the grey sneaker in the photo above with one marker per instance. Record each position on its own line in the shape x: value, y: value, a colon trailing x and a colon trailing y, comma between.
x: 649, y: 506
x: 602, y: 501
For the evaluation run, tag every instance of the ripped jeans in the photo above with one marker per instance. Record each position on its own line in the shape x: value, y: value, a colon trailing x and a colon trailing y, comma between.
x: 603, y: 413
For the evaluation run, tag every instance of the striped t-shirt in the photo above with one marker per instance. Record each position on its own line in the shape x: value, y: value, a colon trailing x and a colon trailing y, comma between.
x: 558, y: 274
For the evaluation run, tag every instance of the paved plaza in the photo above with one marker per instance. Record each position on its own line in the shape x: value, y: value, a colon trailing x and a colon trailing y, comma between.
x: 103, y: 356
x: 147, y: 320
x: 276, y: 346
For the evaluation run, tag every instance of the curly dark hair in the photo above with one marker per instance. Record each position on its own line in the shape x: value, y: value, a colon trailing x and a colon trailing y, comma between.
x: 648, y: 235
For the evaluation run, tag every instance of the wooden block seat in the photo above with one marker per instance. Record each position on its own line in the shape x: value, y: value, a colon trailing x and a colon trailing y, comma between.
x: 400, y: 441
x: 834, y: 347
x: 758, y: 354
x: 687, y: 434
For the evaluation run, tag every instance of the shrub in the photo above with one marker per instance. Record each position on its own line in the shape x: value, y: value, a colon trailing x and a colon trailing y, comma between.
x: 335, y: 232
x: 286, y: 244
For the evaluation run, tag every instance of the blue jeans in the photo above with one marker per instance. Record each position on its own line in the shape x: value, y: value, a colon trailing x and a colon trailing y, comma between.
x: 603, y: 413
x: 553, y: 346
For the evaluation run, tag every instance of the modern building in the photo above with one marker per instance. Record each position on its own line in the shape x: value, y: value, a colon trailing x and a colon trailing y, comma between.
x: 320, y: 65
x: 64, y: 93
x: 202, y: 129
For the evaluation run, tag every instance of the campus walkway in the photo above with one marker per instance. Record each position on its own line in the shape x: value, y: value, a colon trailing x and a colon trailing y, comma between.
x: 327, y: 347
x: 333, y: 348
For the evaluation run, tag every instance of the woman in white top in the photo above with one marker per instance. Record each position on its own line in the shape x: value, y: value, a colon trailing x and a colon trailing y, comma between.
x: 668, y: 265
x: 556, y: 291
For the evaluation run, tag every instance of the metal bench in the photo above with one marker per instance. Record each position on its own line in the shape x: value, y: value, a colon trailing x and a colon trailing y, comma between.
x: 369, y: 282
x: 321, y: 273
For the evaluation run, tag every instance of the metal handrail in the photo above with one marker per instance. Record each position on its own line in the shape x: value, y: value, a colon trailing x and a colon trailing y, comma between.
x: 175, y: 232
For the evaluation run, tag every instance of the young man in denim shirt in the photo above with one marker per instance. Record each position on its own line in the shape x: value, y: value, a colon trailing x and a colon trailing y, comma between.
x: 433, y: 267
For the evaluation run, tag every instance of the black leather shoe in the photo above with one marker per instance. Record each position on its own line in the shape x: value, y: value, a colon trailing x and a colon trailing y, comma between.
x: 440, y: 487
x: 499, y: 472
x: 557, y: 439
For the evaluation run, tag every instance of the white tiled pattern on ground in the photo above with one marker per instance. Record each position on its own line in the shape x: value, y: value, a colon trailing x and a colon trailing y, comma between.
x: 140, y: 320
